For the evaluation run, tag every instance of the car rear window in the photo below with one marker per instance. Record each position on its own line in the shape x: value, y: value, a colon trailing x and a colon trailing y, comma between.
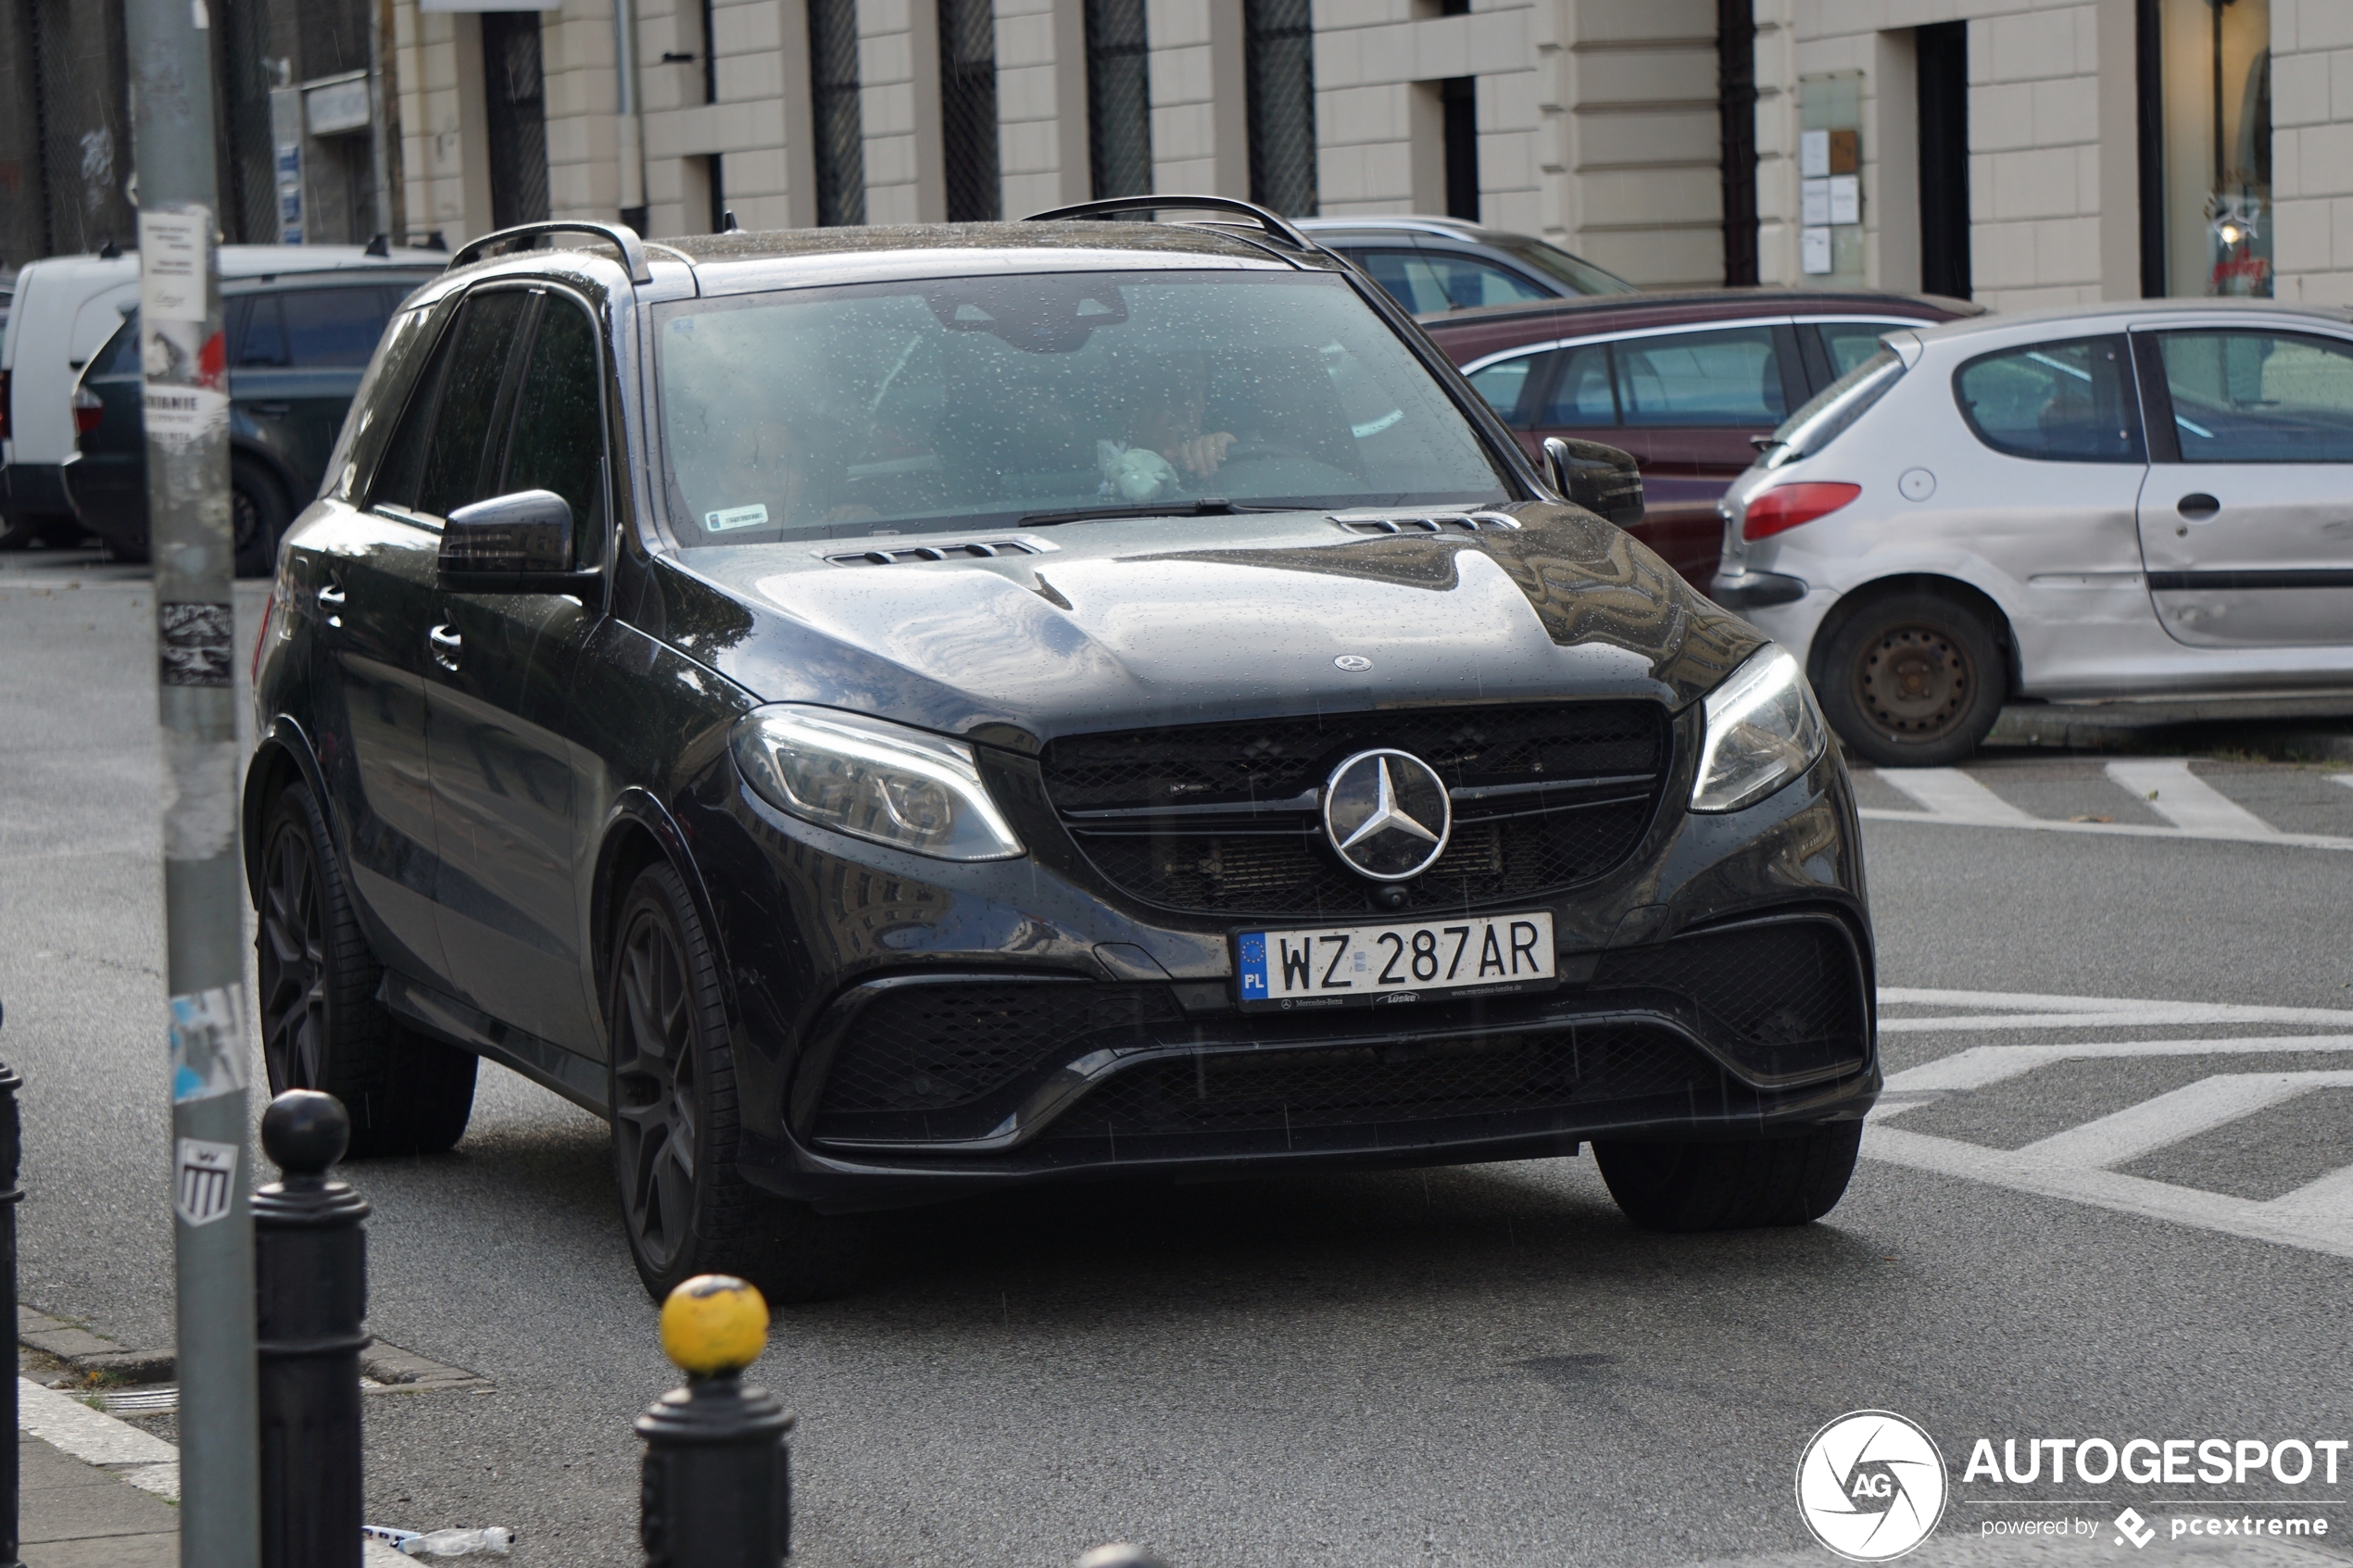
x: 1826, y: 416
x: 833, y: 412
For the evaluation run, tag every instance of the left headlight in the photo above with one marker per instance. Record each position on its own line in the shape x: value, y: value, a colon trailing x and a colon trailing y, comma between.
x: 875, y: 780
x: 1763, y: 730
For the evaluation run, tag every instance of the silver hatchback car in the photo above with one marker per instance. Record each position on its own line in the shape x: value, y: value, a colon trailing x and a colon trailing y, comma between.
x: 2141, y: 500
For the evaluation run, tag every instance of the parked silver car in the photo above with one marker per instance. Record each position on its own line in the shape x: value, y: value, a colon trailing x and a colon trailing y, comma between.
x: 2139, y: 500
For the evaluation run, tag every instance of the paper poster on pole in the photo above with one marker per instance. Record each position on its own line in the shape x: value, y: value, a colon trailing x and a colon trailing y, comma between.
x: 172, y: 264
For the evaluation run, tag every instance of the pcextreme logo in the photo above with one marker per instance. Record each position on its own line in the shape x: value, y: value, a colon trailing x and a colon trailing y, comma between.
x: 1871, y: 1485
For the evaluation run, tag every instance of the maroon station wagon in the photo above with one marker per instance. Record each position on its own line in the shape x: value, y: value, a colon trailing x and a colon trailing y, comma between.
x: 1683, y: 380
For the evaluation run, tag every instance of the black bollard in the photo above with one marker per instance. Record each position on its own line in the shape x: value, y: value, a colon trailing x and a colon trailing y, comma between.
x: 717, y: 1483
x: 310, y: 1258
x: 11, y: 1156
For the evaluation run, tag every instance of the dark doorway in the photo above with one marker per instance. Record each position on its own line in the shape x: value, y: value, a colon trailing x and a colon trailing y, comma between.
x: 1458, y: 98
x: 1736, y: 134
x: 516, y: 92
x: 968, y: 109
x: 1942, y: 52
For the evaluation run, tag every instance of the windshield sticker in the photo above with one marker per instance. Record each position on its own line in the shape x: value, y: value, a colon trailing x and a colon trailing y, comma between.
x: 754, y: 516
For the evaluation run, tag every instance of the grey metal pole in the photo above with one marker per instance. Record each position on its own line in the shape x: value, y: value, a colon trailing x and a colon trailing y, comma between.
x: 186, y: 406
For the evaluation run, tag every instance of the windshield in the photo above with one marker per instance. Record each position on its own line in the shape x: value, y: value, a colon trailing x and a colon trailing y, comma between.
x: 1828, y: 413
x: 955, y: 402
x: 1574, y: 270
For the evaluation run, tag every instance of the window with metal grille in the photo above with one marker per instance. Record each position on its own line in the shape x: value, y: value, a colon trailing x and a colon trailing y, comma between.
x: 833, y: 94
x: 968, y: 109
x: 516, y: 92
x: 1460, y: 96
x: 1119, y: 98
x: 1280, y: 48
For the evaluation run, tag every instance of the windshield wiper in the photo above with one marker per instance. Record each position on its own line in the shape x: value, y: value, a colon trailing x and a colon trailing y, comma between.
x: 1208, y: 506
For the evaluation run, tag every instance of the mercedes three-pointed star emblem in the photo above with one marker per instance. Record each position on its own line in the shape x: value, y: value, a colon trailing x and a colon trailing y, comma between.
x: 1387, y: 814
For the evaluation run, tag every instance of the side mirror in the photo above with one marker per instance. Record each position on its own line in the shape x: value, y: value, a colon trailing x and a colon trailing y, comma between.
x: 1602, y: 480
x: 522, y: 543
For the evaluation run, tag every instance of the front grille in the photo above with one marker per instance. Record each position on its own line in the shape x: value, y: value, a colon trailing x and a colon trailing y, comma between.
x: 1781, y: 998
x: 1297, y: 1091
x: 1222, y: 819
x: 927, y: 1048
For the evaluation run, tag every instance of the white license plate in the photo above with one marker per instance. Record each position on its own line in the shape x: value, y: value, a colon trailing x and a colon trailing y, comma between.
x: 1409, y: 959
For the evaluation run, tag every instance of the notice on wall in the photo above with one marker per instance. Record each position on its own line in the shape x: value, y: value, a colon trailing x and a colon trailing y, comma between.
x: 1843, y: 196
x: 172, y: 264
x: 1814, y: 202
x: 1813, y: 154
x: 1814, y: 251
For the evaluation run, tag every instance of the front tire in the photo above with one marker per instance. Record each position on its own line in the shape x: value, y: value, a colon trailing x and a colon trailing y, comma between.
x: 685, y: 1207
x: 1913, y: 681
x: 321, y: 1027
x: 1738, y: 1185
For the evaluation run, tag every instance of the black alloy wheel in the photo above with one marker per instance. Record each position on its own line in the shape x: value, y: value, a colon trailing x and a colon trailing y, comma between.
x: 684, y: 1207
x: 1913, y: 681
x: 321, y: 1026
x: 1731, y: 1185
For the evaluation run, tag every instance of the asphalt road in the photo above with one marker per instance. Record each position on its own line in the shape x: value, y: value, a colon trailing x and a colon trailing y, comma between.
x: 1476, y: 1366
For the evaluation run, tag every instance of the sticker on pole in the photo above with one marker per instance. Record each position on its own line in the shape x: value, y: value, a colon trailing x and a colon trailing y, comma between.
x: 208, y: 1180
x: 208, y: 1044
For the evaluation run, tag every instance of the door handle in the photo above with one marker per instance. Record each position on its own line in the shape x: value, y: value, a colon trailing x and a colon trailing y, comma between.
x: 274, y: 410
x: 2197, y: 506
x: 329, y: 600
x: 447, y: 645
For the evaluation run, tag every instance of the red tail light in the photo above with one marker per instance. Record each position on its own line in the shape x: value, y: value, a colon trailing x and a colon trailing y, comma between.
x: 88, y: 410
x: 1786, y: 506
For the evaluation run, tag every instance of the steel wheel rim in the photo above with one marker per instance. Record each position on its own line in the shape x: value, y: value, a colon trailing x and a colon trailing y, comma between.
x: 1915, y: 681
x: 656, y: 1088
x: 293, y: 964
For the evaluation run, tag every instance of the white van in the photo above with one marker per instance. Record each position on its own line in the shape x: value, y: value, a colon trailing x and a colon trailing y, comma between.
x: 65, y: 308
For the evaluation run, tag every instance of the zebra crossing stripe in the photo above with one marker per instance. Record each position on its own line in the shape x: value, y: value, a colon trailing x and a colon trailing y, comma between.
x: 1949, y: 792
x: 2075, y: 1165
x: 2142, y: 1010
x: 2170, y: 790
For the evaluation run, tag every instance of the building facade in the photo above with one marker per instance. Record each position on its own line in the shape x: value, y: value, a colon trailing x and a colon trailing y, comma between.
x: 2019, y: 152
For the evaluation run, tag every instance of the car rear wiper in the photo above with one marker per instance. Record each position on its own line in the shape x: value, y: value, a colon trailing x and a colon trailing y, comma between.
x: 1208, y: 506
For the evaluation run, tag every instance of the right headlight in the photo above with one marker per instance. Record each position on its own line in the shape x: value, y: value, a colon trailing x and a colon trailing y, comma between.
x: 873, y: 779
x: 1763, y: 730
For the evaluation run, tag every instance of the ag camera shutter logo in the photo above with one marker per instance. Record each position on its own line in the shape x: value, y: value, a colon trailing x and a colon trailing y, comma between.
x: 1872, y: 1485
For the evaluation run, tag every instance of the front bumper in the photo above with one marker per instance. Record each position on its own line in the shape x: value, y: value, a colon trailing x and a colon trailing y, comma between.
x: 917, y: 1030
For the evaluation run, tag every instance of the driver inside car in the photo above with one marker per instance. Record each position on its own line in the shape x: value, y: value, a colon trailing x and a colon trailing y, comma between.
x: 1165, y: 445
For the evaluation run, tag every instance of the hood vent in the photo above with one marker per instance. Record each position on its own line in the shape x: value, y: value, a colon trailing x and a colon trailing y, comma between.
x: 962, y: 549
x: 1431, y: 522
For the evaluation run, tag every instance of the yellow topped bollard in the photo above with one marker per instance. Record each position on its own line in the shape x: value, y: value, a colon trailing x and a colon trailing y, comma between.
x: 718, y: 1477
x: 714, y: 1325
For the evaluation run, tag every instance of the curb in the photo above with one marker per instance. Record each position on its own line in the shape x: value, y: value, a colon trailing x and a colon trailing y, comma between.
x: 140, y: 1458
x: 383, y: 1368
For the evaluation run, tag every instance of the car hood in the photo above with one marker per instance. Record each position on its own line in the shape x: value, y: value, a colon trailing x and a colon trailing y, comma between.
x: 1146, y: 622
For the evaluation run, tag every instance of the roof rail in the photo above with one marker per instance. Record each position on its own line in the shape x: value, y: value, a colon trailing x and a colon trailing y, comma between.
x: 1274, y: 225
x: 620, y: 235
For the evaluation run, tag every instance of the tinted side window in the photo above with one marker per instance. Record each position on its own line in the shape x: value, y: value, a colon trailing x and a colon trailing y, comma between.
x: 1733, y: 377
x: 1503, y: 385
x: 1406, y: 276
x: 120, y: 355
x: 559, y: 441
x: 1581, y: 398
x: 331, y: 329
x: 2062, y: 402
x: 470, y: 387
x: 2259, y: 397
x: 1467, y: 281
x: 262, y: 344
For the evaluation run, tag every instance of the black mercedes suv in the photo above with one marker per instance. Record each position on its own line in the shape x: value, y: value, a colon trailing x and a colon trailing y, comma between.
x: 882, y: 714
